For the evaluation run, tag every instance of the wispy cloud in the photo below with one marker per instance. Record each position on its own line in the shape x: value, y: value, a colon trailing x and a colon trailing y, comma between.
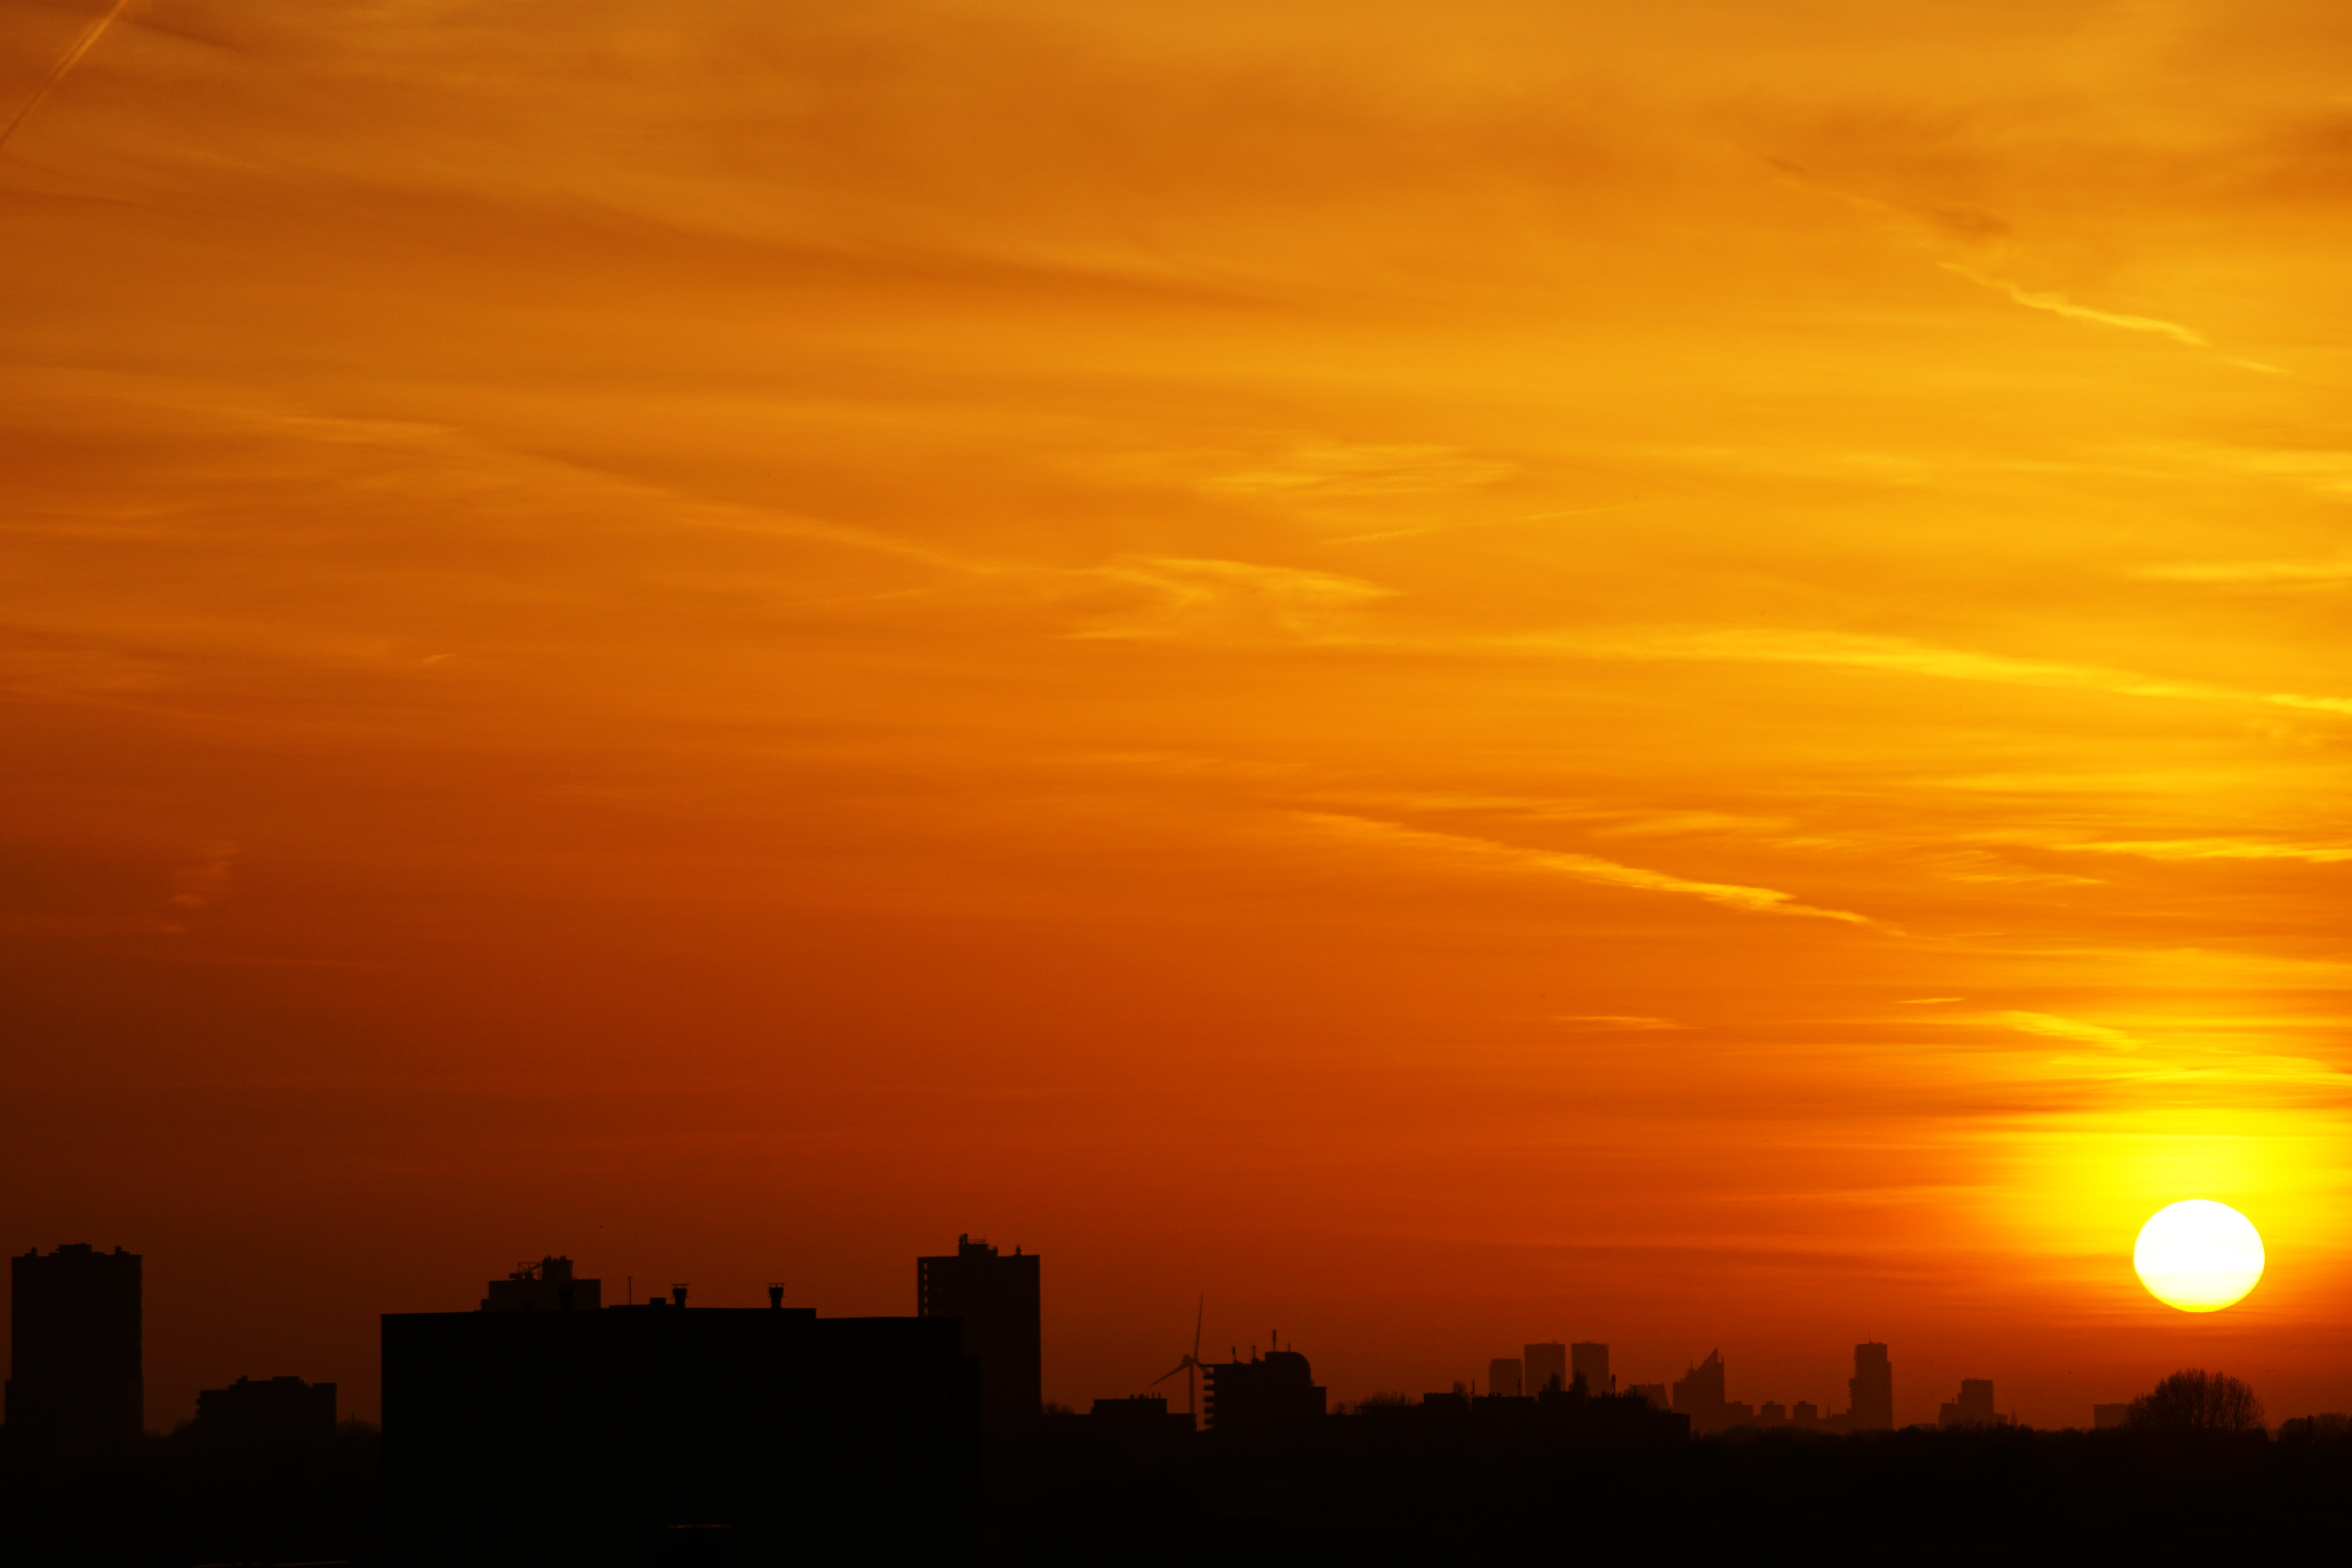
x: 1591, y: 869
x: 2221, y: 849
x: 2058, y: 304
x: 1624, y: 1023
x: 2050, y: 1026
x: 1342, y: 469
x: 1899, y: 655
x: 2332, y: 574
x: 1454, y: 526
x: 1226, y: 600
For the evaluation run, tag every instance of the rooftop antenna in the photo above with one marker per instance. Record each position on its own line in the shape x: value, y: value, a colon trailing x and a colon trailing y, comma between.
x: 1191, y: 1365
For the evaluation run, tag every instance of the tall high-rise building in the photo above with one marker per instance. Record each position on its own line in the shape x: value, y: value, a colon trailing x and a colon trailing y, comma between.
x: 1698, y: 1394
x: 997, y: 1297
x: 77, y: 1383
x: 1503, y: 1377
x: 1973, y: 1407
x: 1699, y: 1390
x: 1590, y: 1362
x: 1546, y: 1362
x: 1871, y: 1390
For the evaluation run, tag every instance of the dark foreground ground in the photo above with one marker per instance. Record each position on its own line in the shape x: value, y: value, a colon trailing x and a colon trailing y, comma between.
x: 1351, y: 1491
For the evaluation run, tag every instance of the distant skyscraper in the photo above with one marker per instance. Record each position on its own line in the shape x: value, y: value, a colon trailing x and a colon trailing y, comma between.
x: 1503, y: 1377
x: 1656, y: 1394
x: 997, y: 1297
x: 1591, y: 1362
x: 546, y: 1286
x: 1698, y: 1392
x: 1545, y: 1363
x: 1974, y: 1406
x: 2104, y: 1418
x: 77, y: 1383
x: 1871, y: 1390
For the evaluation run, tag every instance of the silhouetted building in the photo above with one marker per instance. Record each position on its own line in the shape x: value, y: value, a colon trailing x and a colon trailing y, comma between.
x: 76, y: 1383
x: 1871, y: 1390
x: 1655, y: 1393
x: 1590, y: 1362
x: 1698, y: 1394
x: 1805, y: 1413
x: 277, y: 1412
x: 546, y: 1286
x: 1547, y: 1367
x: 1277, y: 1393
x: 598, y: 1436
x: 1701, y: 1387
x: 1138, y: 1417
x: 997, y: 1301
x: 1502, y: 1379
x: 1772, y: 1413
x: 2104, y: 1418
x: 1974, y: 1406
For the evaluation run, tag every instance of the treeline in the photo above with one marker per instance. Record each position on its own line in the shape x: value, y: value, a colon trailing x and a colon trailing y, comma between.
x: 2196, y: 1475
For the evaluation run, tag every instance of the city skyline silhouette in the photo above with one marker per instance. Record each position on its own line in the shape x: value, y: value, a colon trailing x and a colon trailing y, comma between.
x: 1569, y: 718
x: 543, y: 1422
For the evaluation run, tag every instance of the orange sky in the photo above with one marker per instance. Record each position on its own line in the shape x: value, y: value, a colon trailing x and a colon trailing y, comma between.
x: 1462, y: 674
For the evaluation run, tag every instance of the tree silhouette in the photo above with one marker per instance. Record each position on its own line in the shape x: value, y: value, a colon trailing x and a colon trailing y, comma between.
x: 2197, y: 1401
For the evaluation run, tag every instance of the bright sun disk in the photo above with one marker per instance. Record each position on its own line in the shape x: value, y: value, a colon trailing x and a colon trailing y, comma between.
x: 2199, y: 1256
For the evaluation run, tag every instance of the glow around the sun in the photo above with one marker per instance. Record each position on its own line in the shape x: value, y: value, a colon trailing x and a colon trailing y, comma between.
x: 2199, y: 1256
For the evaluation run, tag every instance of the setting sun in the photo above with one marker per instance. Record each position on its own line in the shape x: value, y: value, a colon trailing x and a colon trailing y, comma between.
x: 2199, y: 1256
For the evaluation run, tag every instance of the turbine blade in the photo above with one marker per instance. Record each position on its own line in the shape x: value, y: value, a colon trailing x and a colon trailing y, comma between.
x: 1165, y: 1375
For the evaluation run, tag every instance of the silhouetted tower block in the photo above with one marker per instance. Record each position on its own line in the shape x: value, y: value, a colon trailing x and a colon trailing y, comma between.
x: 1503, y: 1377
x: 2109, y: 1417
x: 636, y: 1434
x: 1547, y: 1366
x: 1654, y: 1395
x: 278, y: 1412
x: 997, y: 1300
x: 77, y: 1385
x: 546, y: 1286
x: 1871, y: 1390
x: 1590, y: 1362
x: 1974, y: 1406
x: 1277, y: 1393
x: 1699, y: 1391
x: 1698, y: 1394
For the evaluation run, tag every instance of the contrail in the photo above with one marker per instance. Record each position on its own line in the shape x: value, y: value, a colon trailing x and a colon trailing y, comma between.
x: 81, y: 46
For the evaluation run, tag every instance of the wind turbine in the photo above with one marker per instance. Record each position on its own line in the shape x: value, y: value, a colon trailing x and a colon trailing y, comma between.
x: 1191, y: 1363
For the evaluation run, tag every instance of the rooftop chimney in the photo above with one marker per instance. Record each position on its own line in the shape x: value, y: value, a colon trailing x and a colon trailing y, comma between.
x: 775, y: 1296
x: 677, y: 1294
